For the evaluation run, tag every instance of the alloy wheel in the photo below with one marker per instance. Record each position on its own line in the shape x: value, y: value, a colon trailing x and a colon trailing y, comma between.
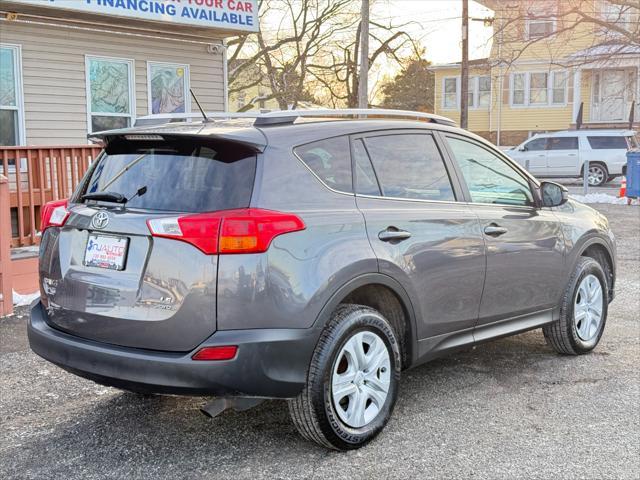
x: 596, y: 175
x: 587, y: 310
x: 361, y: 379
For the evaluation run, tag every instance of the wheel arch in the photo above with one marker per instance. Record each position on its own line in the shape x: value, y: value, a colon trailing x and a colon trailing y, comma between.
x: 597, y: 249
x: 386, y: 295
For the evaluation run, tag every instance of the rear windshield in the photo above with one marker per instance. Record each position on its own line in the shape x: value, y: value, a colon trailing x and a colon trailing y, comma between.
x: 175, y: 176
x: 617, y: 142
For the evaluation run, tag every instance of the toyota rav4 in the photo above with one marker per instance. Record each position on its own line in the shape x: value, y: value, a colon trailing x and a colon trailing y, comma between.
x: 309, y: 259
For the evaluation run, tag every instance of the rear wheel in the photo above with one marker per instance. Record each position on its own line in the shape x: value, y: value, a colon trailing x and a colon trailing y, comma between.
x: 583, y: 312
x: 598, y: 175
x: 353, y: 380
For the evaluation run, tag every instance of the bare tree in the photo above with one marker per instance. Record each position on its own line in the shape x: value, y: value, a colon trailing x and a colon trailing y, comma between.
x: 278, y: 59
x: 337, y: 70
x: 312, y: 53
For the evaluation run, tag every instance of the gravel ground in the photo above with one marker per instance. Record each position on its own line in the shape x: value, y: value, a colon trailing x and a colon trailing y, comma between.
x: 507, y: 409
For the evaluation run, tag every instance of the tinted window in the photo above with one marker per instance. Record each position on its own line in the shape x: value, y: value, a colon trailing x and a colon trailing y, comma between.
x: 366, y: 182
x: 537, y: 144
x: 409, y: 166
x: 563, y: 143
x: 489, y: 178
x: 604, y: 143
x: 330, y: 160
x: 178, y: 177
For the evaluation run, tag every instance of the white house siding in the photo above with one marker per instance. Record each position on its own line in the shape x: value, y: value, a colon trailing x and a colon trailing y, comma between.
x: 54, y: 77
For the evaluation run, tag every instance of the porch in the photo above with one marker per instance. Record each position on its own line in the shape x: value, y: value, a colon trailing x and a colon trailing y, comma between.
x: 29, y: 178
x: 607, y: 87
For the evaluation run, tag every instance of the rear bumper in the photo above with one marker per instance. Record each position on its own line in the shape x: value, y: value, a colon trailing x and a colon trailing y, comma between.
x: 270, y: 363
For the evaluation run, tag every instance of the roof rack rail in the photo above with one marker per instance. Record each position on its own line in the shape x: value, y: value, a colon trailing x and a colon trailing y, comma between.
x: 289, y: 116
x: 284, y: 117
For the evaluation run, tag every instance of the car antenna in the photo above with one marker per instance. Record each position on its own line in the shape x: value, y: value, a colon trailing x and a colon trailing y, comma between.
x: 204, y: 115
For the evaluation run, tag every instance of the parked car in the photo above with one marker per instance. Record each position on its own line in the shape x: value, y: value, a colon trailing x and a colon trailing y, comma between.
x: 311, y: 261
x: 564, y: 154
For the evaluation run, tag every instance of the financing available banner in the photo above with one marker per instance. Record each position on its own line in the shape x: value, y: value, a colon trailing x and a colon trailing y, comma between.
x: 240, y: 15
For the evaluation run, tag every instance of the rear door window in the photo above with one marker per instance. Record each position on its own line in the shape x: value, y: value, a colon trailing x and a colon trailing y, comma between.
x: 608, y: 142
x: 410, y: 166
x: 179, y: 176
x: 366, y: 181
x: 562, y: 143
x: 330, y: 160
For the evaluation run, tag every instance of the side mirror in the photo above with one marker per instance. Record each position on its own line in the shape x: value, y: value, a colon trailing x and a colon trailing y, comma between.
x: 553, y: 194
x: 522, y: 149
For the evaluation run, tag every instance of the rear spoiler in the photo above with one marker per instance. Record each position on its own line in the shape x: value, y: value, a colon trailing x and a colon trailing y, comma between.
x: 138, y: 135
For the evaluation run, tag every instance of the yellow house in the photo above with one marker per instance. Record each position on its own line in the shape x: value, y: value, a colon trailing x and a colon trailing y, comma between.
x: 549, y: 70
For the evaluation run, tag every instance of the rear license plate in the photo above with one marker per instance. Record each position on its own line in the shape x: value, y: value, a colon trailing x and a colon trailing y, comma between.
x: 105, y: 251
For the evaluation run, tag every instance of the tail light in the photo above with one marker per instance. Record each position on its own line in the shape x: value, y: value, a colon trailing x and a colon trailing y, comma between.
x: 53, y: 214
x: 248, y: 230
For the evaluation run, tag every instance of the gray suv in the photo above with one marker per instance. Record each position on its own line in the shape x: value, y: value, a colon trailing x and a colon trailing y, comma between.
x: 311, y: 260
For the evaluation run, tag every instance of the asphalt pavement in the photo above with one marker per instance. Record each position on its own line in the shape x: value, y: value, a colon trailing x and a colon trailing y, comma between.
x: 508, y: 409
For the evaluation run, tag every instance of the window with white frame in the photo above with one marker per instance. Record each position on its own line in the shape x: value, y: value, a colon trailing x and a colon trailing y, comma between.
x: 11, y: 101
x: 168, y: 88
x: 540, y: 27
x: 518, y: 88
x: 559, y: 88
x: 450, y: 97
x: 615, y: 12
x: 484, y: 91
x: 479, y: 93
x: 110, y: 93
x: 539, y: 88
x: 541, y: 18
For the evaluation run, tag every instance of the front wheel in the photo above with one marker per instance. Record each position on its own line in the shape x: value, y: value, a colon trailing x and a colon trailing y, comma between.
x: 353, y: 378
x: 583, y: 312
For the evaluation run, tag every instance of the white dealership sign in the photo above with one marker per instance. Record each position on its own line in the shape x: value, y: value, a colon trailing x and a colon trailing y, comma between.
x: 241, y: 15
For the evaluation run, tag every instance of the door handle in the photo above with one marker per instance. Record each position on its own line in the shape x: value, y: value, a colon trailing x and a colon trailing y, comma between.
x: 392, y: 233
x: 494, y: 230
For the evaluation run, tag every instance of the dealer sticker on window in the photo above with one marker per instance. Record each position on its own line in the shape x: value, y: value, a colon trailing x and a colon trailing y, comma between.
x: 106, y: 251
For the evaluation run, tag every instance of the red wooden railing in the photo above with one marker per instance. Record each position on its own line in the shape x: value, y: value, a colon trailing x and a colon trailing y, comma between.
x: 6, y: 293
x: 38, y: 175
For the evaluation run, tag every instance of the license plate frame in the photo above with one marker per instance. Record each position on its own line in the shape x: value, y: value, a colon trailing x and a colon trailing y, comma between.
x: 108, y: 257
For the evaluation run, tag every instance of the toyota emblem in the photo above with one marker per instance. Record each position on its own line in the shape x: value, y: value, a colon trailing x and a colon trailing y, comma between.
x: 100, y: 220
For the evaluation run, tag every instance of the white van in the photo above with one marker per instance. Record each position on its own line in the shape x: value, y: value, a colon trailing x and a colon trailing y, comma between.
x: 563, y: 154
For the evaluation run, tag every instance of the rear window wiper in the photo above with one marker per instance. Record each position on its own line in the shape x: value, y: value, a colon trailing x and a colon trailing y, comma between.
x: 105, y: 197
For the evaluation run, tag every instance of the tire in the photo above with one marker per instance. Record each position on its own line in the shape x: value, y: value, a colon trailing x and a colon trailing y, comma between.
x: 598, y: 174
x: 570, y: 335
x: 315, y: 412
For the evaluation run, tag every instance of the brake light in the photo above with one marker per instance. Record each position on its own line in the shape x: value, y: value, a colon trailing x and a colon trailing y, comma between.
x: 216, y: 353
x: 54, y: 214
x: 249, y: 230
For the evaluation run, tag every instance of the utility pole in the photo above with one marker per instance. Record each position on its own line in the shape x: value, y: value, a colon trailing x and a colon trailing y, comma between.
x: 464, y: 74
x: 363, y: 74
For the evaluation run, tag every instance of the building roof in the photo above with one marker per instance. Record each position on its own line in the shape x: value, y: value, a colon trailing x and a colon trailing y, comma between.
x: 477, y: 62
x: 607, y: 50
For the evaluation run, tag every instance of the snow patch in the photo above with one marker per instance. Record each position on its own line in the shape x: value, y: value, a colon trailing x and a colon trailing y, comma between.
x: 24, y: 300
x: 599, y: 198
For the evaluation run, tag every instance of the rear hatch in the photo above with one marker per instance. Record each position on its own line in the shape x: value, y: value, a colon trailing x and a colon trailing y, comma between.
x: 104, y: 277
